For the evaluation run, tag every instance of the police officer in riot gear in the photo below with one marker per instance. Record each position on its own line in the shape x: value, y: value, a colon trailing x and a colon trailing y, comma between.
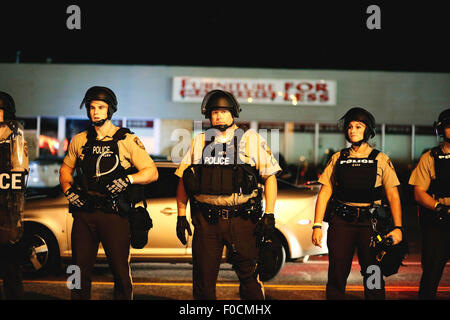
x: 431, y: 181
x: 13, y: 161
x: 111, y: 165
x: 224, y: 175
x: 352, y: 186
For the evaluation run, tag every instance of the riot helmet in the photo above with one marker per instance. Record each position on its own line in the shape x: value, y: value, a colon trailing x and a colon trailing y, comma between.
x: 102, y: 94
x: 219, y: 99
x: 442, y: 122
x: 361, y: 115
x: 8, y: 106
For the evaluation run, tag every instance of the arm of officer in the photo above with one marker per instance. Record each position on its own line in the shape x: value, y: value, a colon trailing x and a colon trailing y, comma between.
x: 182, y: 199
x: 423, y: 198
x: 145, y: 176
x: 66, y: 177
x: 396, y: 208
x: 321, y: 206
x: 270, y: 193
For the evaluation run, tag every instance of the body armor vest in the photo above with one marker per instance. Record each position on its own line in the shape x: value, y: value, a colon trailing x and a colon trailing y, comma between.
x: 440, y: 187
x: 356, y: 177
x: 101, y: 164
x: 221, y: 172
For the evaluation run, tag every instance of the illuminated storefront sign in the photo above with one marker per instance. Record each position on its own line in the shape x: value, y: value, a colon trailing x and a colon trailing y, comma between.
x: 258, y: 91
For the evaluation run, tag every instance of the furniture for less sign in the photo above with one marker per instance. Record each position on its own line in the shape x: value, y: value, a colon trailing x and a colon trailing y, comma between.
x: 258, y: 91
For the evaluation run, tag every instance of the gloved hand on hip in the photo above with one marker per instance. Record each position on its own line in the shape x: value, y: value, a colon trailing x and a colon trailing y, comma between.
x: 75, y: 197
x: 182, y: 227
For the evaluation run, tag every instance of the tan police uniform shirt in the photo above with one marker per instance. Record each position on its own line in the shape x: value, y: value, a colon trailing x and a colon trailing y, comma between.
x: 253, y: 150
x: 131, y: 150
x: 424, y: 172
x: 386, y: 175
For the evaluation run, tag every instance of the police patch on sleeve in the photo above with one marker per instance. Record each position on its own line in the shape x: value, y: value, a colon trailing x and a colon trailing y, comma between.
x: 390, y: 164
x: 139, y: 143
x: 266, y: 148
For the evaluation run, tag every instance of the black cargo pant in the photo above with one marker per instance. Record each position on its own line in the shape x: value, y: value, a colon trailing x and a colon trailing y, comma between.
x: 11, y: 272
x: 342, y: 239
x: 207, y: 248
x: 113, y: 231
x: 435, y: 254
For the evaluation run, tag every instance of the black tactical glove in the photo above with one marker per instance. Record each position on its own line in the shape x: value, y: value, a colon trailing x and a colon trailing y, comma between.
x: 75, y: 197
x: 182, y: 227
x: 443, y: 212
x: 118, y: 185
x: 265, y: 227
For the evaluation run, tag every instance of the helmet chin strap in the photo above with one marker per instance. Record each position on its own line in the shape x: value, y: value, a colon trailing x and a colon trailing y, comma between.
x: 358, y: 143
x: 223, y: 127
x: 99, y: 123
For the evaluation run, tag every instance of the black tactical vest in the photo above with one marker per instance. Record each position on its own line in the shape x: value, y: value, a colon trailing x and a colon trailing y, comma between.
x: 220, y: 171
x: 355, y: 178
x: 101, y: 164
x: 440, y: 187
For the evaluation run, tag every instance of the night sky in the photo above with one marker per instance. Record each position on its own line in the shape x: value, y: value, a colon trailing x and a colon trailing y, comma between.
x: 414, y: 35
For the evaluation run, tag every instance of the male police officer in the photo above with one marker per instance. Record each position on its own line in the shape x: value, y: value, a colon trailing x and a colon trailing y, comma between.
x: 109, y: 162
x: 431, y: 181
x: 13, y: 168
x: 222, y: 175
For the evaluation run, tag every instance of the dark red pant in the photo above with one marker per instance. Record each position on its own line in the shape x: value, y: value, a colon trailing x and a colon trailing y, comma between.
x: 208, y: 243
x: 113, y: 231
x: 342, y: 239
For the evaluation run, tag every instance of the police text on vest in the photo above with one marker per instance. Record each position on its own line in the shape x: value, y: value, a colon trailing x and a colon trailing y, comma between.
x: 12, y: 181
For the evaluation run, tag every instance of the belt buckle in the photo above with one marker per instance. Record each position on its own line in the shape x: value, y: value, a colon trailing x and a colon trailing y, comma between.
x: 225, y: 213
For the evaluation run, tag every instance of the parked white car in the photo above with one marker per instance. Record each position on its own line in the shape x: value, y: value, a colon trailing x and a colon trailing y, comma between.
x: 48, y: 226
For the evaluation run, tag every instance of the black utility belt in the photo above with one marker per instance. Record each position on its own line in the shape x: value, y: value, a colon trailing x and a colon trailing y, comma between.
x: 251, y: 209
x: 353, y: 212
x: 104, y: 204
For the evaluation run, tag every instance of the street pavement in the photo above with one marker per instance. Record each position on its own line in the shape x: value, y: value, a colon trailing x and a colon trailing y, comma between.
x: 298, y: 280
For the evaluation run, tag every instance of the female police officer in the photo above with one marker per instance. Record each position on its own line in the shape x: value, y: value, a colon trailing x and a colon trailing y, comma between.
x: 222, y: 175
x: 431, y: 181
x: 353, y: 179
x: 104, y: 157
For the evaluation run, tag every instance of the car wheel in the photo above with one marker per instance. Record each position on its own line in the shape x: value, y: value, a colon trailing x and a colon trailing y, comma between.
x: 272, y: 258
x: 43, y: 251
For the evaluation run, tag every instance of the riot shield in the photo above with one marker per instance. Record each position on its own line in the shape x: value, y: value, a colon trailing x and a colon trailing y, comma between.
x: 13, y: 179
